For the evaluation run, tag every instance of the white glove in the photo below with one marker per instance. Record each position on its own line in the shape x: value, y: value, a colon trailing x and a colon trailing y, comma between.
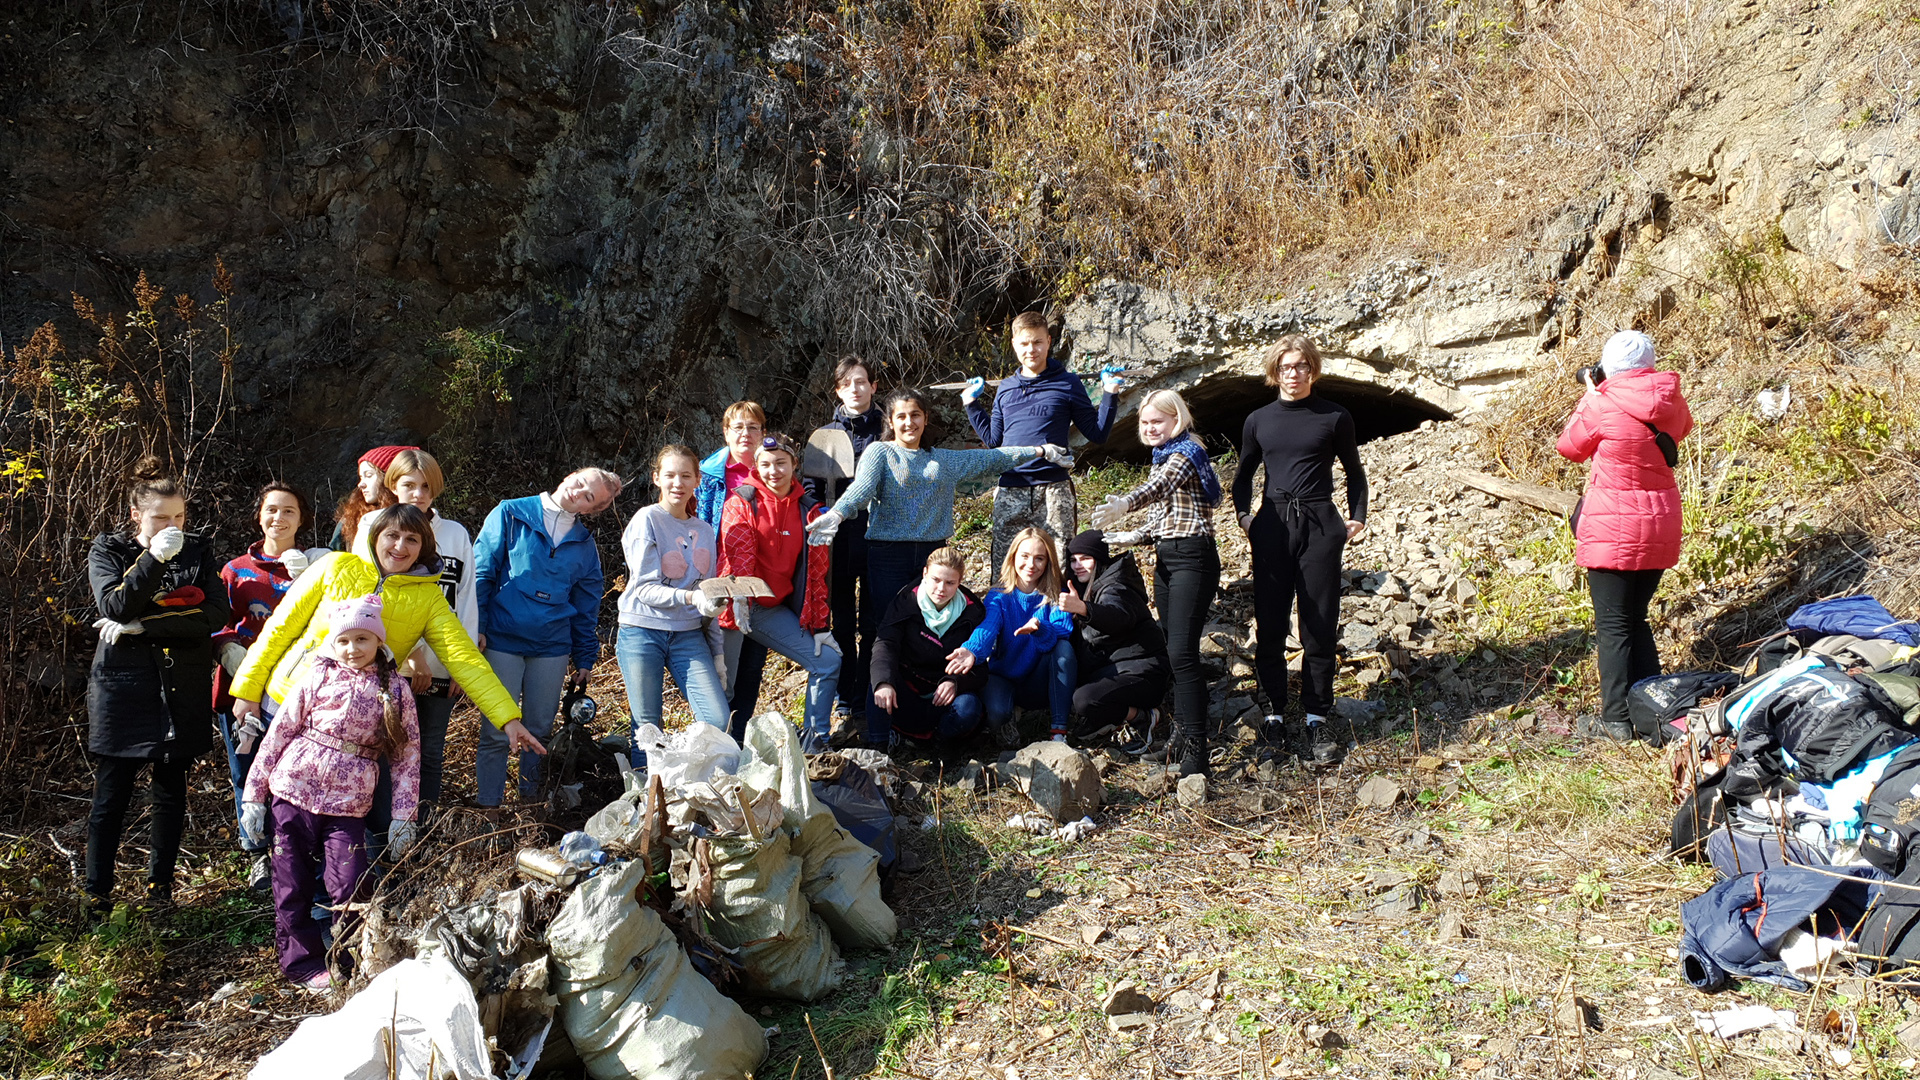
x: 972, y: 391
x: 248, y: 734
x: 720, y: 669
x: 1058, y: 455
x: 1108, y: 513
x: 295, y: 561
x: 1111, y: 381
x: 232, y: 655
x: 166, y: 543
x: 1126, y: 539
x: 825, y: 638
x: 253, y: 821
x: 111, y: 631
x: 400, y: 838
x: 707, y: 606
x: 742, y: 614
x: 821, y: 531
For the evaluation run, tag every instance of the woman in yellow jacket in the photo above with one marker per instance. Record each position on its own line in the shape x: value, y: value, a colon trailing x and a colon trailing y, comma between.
x: 394, y: 557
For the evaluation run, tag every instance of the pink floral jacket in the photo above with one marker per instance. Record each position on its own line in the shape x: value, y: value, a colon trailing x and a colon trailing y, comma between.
x: 302, y: 760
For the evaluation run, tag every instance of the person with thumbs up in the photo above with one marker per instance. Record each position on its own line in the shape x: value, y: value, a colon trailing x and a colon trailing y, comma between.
x: 1124, y: 670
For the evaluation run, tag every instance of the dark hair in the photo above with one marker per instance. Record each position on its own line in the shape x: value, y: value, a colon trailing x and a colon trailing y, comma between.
x: 410, y: 519
x: 901, y: 397
x: 151, y: 481
x: 299, y: 500
x: 776, y: 443
x: 843, y: 370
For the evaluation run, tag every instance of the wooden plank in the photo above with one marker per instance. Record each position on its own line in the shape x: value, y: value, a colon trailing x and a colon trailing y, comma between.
x: 1540, y: 497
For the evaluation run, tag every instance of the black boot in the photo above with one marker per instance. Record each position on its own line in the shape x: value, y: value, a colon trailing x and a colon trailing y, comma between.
x: 1193, y: 753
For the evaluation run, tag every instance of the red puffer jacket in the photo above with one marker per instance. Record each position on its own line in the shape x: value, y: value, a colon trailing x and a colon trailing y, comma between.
x: 1631, y: 517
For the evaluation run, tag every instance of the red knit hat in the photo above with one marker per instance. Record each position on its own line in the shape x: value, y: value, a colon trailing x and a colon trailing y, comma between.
x: 382, y: 456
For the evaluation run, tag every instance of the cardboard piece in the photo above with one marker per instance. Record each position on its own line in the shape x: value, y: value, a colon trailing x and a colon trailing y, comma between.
x: 715, y: 587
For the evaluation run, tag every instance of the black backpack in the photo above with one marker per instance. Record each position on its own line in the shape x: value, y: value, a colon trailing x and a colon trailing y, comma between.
x: 1887, y: 943
x: 1890, y: 821
x: 1654, y: 703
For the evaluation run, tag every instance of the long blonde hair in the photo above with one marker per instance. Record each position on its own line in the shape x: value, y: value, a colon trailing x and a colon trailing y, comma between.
x: 1050, y: 580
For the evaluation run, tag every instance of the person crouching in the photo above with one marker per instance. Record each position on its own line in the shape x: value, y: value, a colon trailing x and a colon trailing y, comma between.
x: 319, y: 766
x: 927, y: 695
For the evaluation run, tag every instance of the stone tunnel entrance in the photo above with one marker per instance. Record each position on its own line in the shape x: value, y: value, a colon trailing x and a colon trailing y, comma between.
x: 1221, y: 407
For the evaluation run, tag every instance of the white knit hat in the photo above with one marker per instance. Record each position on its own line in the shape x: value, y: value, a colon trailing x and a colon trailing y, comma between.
x: 1627, y: 350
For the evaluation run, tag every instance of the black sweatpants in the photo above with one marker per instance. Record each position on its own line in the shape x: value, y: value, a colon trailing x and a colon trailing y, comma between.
x: 1186, y: 574
x: 856, y: 614
x: 114, y: 779
x: 1622, y: 636
x: 1107, y: 692
x: 1296, y: 554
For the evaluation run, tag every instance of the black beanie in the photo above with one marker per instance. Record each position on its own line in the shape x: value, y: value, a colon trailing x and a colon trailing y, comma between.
x: 1091, y: 542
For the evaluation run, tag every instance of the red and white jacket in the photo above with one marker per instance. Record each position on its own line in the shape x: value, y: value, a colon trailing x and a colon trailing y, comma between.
x: 764, y: 535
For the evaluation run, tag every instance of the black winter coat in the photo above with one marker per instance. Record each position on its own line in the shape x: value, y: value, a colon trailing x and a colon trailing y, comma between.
x: 1827, y: 721
x: 906, y: 655
x: 150, y: 694
x: 1118, y: 628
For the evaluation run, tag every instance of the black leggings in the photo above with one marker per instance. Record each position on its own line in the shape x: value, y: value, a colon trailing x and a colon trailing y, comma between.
x: 1107, y: 692
x: 1186, y: 574
x: 1296, y: 553
x: 113, y: 783
x: 1622, y: 635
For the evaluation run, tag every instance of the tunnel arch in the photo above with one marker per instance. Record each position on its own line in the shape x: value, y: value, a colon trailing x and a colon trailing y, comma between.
x: 1221, y: 405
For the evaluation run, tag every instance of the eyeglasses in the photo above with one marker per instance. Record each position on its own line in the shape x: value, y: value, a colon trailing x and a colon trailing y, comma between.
x: 745, y: 429
x: 1295, y: 369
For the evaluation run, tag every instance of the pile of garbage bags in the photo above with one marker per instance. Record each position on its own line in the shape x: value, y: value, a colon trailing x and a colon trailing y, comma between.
x: 723, y: 868
x: 1798, y: 778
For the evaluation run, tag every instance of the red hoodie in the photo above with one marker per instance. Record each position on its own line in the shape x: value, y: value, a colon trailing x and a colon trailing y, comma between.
x: 764, y: 537
x: 1631, y: 517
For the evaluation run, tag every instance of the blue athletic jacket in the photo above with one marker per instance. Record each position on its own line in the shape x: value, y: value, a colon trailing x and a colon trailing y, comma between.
x: 537, y: 597
x: 1037, y: 411
x: 711, y: 496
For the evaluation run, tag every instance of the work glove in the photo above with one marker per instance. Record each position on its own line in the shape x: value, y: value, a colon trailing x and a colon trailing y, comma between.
x: 707, y: 606
x: 1109, y: 512
x: 742, y: 614
x: 824, y: 639
x: 821, y: 531
x: 248, y: 733
x: 1111, y: 381
x: 295, y: 561
x: 253, y: 821
x: 720, y: 668
x: 971, y: 392
x: 111, y: 631
x: 400, y: 838
x: 1126, y: 539
x: 1057, y: 455
x: 167, y: 543
x: 232, y: 655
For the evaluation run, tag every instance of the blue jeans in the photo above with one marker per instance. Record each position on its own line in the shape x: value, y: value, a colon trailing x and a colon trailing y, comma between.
x: 646, y: 656
x: 535, y: 683
x: 779, y: 629
x: 1050, y: 683
x: 892, y: 565
x: 238, y: 765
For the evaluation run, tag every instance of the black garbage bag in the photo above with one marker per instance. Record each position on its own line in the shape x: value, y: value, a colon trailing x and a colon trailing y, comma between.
x: 1653, y: 704
x: 860, y: 806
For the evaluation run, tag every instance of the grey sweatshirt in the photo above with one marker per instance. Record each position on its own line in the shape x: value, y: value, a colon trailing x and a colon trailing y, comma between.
x: 664, y: 555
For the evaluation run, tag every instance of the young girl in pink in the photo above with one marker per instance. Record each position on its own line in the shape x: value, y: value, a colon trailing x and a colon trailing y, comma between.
x: 315, y: 776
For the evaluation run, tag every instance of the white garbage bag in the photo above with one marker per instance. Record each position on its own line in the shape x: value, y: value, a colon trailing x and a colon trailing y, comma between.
x: 839, y: 875
x: 631, y: 1002
x: 426, y: 1007
x: 694, y: 753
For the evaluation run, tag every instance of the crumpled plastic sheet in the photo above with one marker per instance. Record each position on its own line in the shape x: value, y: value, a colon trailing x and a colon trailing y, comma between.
x: 426, y: 1007
x: 1740, y: 1020
x: 1041, y: 825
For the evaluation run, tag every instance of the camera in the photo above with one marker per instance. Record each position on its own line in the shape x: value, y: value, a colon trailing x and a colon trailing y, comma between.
x: 1593, y: 372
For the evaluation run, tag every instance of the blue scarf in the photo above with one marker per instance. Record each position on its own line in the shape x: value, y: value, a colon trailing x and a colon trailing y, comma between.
x: 1197, y: 454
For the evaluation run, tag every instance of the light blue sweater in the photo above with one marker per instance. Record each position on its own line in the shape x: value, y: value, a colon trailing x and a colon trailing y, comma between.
x: 908, y: 494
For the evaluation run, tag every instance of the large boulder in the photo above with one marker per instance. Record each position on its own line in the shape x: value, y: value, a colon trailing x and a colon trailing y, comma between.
x: 1059, y: 779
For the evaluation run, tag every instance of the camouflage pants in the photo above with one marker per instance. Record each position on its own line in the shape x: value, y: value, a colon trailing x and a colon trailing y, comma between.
x: 1050, y: 506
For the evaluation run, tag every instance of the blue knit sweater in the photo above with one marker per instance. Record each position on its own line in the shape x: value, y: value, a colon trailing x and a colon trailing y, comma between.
x: 908, y: 494
x: 1014, y: 655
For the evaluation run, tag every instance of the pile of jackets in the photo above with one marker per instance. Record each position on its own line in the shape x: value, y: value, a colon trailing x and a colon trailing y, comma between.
x: 1804, y: 795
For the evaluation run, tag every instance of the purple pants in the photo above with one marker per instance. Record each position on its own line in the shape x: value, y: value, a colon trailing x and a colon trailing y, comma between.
x: 304, y: 842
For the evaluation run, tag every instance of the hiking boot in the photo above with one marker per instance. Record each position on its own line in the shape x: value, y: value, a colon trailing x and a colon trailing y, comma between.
x: 1319, y: 745
x: 260, y: 873
x: 1143, y: 736
x: 1594, y: 727
x: 1007, y: 736
x: 1273, y: 732
x: 1091, y: 734
x: 159, y: 895
x: 1193, y: 756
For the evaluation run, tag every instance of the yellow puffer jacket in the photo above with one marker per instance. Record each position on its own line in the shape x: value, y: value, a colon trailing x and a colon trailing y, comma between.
x: 413, y: 607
